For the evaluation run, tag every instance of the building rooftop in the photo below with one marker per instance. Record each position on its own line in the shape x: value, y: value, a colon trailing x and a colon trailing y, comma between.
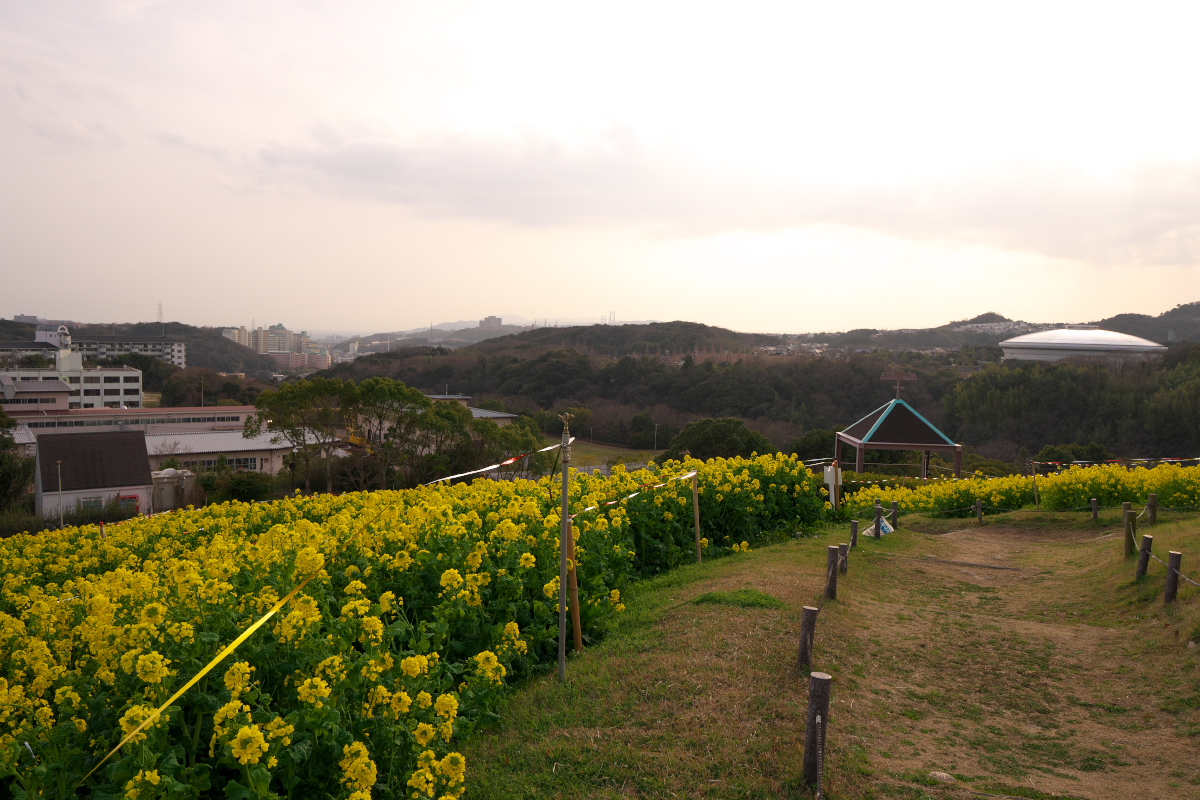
x: 93, y: 460
x: 484, y: 413
x: 40, y: 386
x: 170, y: 411
x: 181, y: 444
x: 27, y: 346
x: 1083, y: 338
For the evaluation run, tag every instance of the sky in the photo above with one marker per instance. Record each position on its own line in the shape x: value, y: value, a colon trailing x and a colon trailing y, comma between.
x: 763, y: 166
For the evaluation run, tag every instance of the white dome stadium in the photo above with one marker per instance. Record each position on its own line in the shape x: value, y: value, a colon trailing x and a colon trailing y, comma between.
x: 1063, y: 343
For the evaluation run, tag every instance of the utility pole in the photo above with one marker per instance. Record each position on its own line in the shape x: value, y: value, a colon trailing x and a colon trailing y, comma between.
x: 564, y: 532
x: 656, y: 437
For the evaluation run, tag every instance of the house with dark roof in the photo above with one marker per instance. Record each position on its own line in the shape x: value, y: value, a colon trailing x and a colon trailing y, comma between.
x: 90, y: 470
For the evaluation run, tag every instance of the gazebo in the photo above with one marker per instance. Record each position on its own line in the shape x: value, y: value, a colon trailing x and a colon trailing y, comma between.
x: 896, y: 426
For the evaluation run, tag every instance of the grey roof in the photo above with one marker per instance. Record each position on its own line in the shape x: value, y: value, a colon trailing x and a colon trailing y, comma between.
x: 93, y: 460
x: 483, y: 413
x: 22, y: 435
x: 27, y: 346
x: 210, y: 442
x: 41, y: 386
x: 448, y: 396
x: 1083, y: 339
x: 119, y: 339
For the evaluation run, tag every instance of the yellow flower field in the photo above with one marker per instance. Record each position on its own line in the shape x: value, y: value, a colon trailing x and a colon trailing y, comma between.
x: 424, y: 603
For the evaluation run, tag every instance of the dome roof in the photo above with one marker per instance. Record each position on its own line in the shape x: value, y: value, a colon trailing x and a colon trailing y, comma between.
x: 1083, y: 339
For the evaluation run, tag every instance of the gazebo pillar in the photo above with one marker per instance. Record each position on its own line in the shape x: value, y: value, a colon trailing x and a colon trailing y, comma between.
x: 925, y: 464
x: 958, y: 461
x: 860, y: 458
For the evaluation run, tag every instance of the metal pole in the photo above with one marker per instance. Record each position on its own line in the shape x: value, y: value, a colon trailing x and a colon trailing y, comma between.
x: 60, y: 520
x: 564, y: 532
x: 696, y: 514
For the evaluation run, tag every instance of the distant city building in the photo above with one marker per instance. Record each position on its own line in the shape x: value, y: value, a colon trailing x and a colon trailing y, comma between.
x: 1077, y: 341
x: 96, y: 387
x: 491, y: 323
x: 50, y: 338
x: 290, y: 350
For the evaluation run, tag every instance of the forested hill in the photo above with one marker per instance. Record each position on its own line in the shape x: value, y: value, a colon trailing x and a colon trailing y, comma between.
x: 655, y: 338
x: 1183, y: 321
x: 206, y: 347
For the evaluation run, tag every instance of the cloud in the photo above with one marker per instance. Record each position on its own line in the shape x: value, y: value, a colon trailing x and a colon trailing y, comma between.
x: 1147, y: 213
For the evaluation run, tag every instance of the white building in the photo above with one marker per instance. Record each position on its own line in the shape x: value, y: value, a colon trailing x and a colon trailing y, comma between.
x: 1077, y: 341
x: 99, y: 387
x: 198, y: 450
x: 101, y: 347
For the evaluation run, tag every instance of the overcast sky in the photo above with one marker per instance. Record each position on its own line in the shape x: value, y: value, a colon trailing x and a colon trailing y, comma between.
x: 757, y: 165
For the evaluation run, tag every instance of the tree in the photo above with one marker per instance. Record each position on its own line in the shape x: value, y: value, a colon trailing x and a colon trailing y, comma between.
x: 306, y: 414
x: 817, y: 443
x: 386, y: 416
x: 716, y: 438
x: 35, y: 361
x: 16, y: 471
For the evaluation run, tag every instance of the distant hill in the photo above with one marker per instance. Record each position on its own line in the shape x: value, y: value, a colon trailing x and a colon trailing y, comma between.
x: 1183, y: 320
x: 656, y: 338
x: 206, y: 347
x: 437, y: 337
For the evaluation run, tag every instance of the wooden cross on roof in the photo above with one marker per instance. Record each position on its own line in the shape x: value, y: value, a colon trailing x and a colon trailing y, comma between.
x: 898, y: 375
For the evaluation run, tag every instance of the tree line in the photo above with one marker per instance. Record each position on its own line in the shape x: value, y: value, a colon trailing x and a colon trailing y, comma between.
x: 401, y: 437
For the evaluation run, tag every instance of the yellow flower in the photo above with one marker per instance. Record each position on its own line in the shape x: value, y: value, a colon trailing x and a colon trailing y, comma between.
x: 134, y: 717
x: 237, y: 677
x: 446, y: 706
x: 313, y: 690
x: 357, y: 767
x: 249, y: 745
x: 528, y: 560
x: 424, y: 733
x: 451, y: 579
x: 414, y: 666
x: 152, y: 667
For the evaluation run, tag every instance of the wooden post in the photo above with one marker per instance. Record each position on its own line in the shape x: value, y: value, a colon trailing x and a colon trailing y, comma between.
x: 854, y: 533
x: 1152, y: 509
x: 834, y: 554
x: 1095, y: 510
x: 895, y: 520
x: 815, y: 729
x: 696, y: 514
x: 878, y: 519
x: 1130, y: 533
x: 1144, y: 557
x: 1174, y: 562
x: 1125, y: 507
x: 573, y: 589
x: 978, y: 511
x: 843, y: 558
x: 564, y: 535
x: 808, y: 632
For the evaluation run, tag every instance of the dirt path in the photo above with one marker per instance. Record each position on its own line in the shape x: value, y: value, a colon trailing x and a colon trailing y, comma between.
x: 991, y: 676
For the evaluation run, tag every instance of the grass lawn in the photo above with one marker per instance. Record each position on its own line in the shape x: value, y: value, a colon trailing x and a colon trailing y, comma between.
x: 586, y: 454
x: 1059, y: 677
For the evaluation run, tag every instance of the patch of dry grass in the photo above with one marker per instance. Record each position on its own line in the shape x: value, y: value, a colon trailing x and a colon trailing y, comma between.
x: 1062, y: 677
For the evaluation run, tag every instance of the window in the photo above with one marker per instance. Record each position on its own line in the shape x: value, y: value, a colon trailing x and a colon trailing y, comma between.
x: 91, y: 392
x: 90, y: 503
x: 72, y: 380
x: 91, y: 379
x: 48, y: 379
x: 110, y: 392
x: 132, y: 404
x: 51, y: 400
x: 134, y: 392
x: 211, y: 463
x: 112, y: 378
x: 131, y: 379
x: 74, y: 393
x: 112, y: 405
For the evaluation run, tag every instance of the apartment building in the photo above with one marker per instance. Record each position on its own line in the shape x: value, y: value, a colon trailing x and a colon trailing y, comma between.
x: 97, y: 387
x: 290, y: 350
x: 49, y: 339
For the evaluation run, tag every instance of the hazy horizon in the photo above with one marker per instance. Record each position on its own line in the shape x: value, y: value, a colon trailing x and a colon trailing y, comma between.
x: 804, y: 167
